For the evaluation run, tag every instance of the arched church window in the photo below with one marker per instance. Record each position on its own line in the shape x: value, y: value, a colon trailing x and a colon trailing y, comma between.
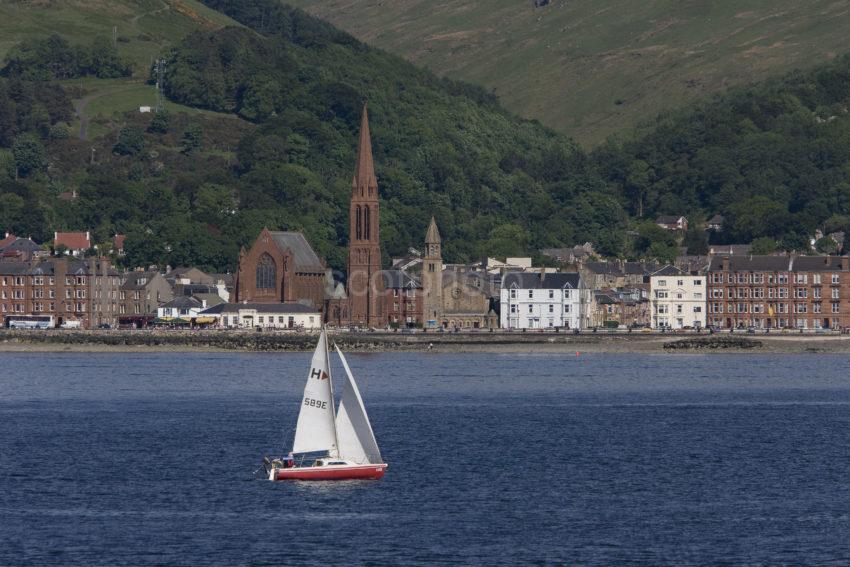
x: 368, y: 223
x: 266, y: 272
x: 358, y: 224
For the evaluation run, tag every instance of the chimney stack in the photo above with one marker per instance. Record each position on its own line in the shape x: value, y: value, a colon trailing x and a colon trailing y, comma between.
x: 845, y: 263
x: 725, y: 263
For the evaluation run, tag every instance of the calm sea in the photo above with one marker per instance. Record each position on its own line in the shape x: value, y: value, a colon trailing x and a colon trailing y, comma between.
x: 141, y: 459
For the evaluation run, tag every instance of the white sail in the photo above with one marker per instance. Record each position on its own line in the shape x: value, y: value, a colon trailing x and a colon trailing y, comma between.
x: 356, y: 440
x: 316, y: 430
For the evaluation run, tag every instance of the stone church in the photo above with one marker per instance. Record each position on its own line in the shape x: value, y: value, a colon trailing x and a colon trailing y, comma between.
x: 453, y: 299
x: 281, y: 266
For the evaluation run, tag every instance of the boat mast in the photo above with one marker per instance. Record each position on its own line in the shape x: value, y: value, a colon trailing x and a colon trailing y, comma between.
x: 331, y: 384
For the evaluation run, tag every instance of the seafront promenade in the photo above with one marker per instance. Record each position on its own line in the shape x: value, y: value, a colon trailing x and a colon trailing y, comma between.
x: 374, y: 341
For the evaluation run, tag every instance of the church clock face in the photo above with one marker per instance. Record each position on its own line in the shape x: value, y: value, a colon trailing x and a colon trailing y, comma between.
x: 456, y: 293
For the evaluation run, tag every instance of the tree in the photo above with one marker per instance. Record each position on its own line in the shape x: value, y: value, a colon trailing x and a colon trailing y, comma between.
x: 131, y: 141
x: 193, y: 139
x: 160, y: 122
x: 507, y: 240
x: 826, y: 245
x: 29, y: 154
x: 763, y: 245
x: 696, y: 240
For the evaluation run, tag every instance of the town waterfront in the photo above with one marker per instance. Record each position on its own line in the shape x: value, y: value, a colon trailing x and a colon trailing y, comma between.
x: 148, y: 458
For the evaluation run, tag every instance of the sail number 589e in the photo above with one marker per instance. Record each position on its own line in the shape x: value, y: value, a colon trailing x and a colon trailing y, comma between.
x: 315, y: 403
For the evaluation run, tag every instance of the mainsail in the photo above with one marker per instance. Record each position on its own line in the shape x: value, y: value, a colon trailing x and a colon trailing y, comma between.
x: 316, y: 430
x: 356, y: 440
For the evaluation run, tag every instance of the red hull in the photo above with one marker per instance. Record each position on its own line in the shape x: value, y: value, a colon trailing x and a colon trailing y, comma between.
x: 361, y: 472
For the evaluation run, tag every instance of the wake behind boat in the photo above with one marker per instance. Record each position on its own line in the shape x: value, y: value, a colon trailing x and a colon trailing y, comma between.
x: 330, y: 445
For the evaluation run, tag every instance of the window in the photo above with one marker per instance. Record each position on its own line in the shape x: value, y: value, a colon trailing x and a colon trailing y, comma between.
x: 531, y: 309
x: 782, y: 278
x: 816, y: 293
x: 835, y: 293
x: 835, y: 278
x: 783, y: 293
x: 801, y: 293
x: 836, y: 307
x: 567, y: 294
x: 680, y: 283
x: 758, y: 293
x: 266, y: 272
x: 551, y: 308
x: 260, y: 319
x: 717, y: 294
x: 513, y: 308
x: 531, y: 294
x: 697, y: 282
x: 801, y: 278
x: 566, y: 308
x: 816, y: 308
x: 513, y: 294
x: 662, y: 283
x: 678, y: 309
x: 551, y: 294
x: 282, y: 320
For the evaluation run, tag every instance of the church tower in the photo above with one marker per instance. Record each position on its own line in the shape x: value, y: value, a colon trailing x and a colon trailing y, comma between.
x: 432, y: 278
x: 365, y: 284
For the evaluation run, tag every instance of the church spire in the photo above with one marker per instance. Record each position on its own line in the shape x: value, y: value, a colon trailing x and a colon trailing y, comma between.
x: 433, y: 234
x: 364, y: 174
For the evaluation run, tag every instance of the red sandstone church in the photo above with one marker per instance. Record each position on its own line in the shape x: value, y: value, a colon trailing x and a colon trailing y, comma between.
x: 283, y: 267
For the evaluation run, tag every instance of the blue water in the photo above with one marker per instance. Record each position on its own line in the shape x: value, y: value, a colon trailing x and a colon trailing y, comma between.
x: 147, y: 459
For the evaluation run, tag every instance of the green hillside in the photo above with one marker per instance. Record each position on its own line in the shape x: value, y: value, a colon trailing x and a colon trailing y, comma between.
x: 590, y: 68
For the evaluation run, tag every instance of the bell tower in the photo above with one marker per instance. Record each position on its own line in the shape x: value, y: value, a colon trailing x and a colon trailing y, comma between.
x: 365, y: 285
x: 432, y: 278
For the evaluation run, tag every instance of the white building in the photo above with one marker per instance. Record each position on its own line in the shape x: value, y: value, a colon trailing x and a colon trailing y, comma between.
x: 678, y: 299
x: 264, y: 315
x: 544, y: 301
x: 183, y: 307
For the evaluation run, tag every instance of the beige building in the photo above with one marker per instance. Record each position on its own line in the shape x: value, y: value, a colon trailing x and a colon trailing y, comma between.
x: 678, y: 299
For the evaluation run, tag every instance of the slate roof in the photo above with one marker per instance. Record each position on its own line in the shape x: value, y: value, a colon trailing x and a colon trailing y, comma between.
x: 131, y: 281
x: 13, y: 268
x: 398, y: 279
x: 211, y: 299
x: 668, y: 219
x: 527, y: 280
x: 19, y: 244
x: 669, y: 271
x: 260, y: 308
x: 817, y: 264
x: 302, y: 253
x: 751, y: 263
x: 184, y: 302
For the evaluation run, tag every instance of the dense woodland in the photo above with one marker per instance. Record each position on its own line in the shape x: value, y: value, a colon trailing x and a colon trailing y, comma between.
x: 774, y: 158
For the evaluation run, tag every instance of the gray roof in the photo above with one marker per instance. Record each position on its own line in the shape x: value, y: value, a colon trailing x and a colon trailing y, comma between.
x: 260, y: 308
x: 184, y: 302
x: 669, y: 271
x: 668, y: 219
x: 302, y: 252
x: 211, y: 299
x: 398, y: 279
x: 751, y: 263
x: 22, y: 244
x: 13, y: 268
x: 528, y: 280
x: 817, y: 264
x: 132, y: 280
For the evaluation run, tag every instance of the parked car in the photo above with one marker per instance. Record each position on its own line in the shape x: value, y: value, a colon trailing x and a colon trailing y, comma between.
x: 104, y: 326
x: 70, y: 325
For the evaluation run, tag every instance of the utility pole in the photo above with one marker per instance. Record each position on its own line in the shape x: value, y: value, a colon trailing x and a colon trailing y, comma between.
x: 160, y: 81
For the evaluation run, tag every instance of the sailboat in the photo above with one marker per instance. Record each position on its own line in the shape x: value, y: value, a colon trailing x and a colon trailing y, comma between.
x: 330, y: 444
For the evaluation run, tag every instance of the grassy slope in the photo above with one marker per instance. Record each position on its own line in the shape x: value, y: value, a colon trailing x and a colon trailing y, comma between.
x: 593, y: 67
x: 148, y: 26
